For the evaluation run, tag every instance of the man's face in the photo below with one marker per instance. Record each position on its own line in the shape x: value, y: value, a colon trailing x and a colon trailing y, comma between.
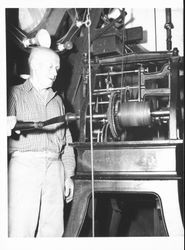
x: 46, y: 71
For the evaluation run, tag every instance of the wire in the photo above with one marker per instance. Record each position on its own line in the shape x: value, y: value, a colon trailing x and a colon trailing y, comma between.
x: 62, y: 38
x: 123, y: 51
x: 88, y: 23
x: 73, y: 26
x: 155, y: 28
x: 19, y: 31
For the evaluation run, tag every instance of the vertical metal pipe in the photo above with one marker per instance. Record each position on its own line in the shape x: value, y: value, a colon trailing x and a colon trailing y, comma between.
x: 155, y: 28
x: 90, y: 112
x: 168, y: 26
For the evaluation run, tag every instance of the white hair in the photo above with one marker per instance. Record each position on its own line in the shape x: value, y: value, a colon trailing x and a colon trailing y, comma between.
x: 38, y: 53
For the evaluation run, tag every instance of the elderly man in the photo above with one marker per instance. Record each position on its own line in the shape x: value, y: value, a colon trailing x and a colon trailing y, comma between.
x: 42, y: 161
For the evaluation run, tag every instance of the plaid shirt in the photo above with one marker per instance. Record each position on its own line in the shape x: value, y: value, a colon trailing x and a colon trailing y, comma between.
x: 26, y: 104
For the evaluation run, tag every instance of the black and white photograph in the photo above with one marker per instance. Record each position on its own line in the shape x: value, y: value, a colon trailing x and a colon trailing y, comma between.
x: 92, y: 104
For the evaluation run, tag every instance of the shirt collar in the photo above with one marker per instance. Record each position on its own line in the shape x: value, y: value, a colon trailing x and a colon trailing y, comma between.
x: 51, y: 94
x: 28, y: 86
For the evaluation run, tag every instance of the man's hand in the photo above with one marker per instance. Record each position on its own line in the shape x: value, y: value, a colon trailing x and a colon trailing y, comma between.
x: 69, y: 189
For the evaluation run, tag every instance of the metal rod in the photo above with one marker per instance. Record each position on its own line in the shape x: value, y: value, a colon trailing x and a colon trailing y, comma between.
x: 153, y: 113
x: 105, y: 102
x: 91, y: 127
x: 139, y: 83
x: 168, y: 26
x: 97, y: 116
x: 157, y: 92
x: 136, y: 57
x: 106, y: 91
x: 160, y: 113
x: 117, y: 73
x: 152, y: 92
x: 104, y: 116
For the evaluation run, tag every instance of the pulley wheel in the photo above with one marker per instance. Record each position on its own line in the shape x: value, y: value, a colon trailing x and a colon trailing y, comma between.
x: 112, y: 111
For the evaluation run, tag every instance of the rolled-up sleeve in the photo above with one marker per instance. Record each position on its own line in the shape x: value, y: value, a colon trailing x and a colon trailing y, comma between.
x: 11, y: 103
x: 68, y: 156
